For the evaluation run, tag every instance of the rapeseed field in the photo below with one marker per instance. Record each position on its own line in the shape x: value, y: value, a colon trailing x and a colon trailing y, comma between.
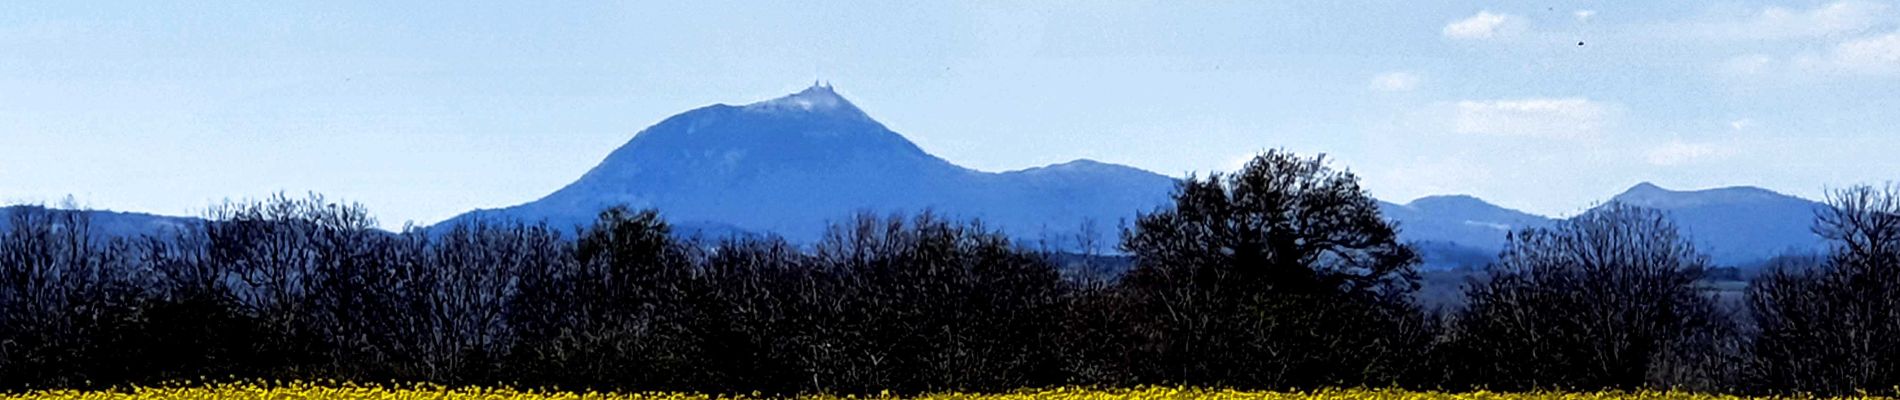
x: 299, y: 391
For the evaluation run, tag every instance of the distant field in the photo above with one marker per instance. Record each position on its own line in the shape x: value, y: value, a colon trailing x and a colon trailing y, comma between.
x: 303, y: 391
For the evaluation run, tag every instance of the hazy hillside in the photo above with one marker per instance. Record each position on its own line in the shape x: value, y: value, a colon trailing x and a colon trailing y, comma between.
x: 1454, y: 231
x: 791, y: 164
x: 110, y: 223
x: 1735, y: 225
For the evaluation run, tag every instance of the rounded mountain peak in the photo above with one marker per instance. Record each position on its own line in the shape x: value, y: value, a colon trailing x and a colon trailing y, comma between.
x: 815, y: 131
x: 819, y: 98
x: 1649, y: 195
x: 1449, y: 201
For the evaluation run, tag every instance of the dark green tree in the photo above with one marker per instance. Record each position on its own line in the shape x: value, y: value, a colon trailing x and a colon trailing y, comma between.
x: 1282, y: 274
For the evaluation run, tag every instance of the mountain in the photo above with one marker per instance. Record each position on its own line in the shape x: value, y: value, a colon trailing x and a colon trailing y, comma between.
x: 790, y: 165
x: 1735, y: 225
x: 1460, y: 220
x: 107, y: 223
x: 1458, y: 230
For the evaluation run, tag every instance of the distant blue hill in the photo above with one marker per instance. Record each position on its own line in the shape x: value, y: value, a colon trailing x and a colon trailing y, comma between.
x: 1459, y: 221
x: 108, y: 223
x: 1735, y: 225
x: 788, y: 166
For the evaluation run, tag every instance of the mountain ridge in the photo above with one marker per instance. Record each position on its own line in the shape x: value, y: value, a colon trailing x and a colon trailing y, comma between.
x: 818, y: 158
x: 1734, y: 224
x: 790, y: 165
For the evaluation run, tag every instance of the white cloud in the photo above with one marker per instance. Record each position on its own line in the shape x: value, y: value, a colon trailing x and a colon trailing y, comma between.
x: 1396, y: 81
x: 1678, y: 152
x: 1832, y: 19
x: 1484, y: 25
x: 1584, y: 15
x: 1569, y: 118
x: 1742, y: 124
x: 1841, y: 38
x: 1871, y: 55
x: 1878, y: 54
x: 1747, y: 65
x: 1845, y: 16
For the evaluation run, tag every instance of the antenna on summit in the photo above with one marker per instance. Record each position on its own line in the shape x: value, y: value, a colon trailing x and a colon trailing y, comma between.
x: 817, y: 78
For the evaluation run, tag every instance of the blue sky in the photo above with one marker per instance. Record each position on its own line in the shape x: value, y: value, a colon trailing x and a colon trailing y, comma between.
x: 421, y: 111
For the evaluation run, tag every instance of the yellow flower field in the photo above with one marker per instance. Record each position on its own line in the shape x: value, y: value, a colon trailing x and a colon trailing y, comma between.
x: 350, y: 391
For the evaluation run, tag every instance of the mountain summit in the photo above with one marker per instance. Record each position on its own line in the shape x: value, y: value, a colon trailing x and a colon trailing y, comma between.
x: 1649, y: 195
x: 811, y: 133
x: 1734, y: 225
x: 1459, y: 221
x: 788, y: 165
x: 819, y: 98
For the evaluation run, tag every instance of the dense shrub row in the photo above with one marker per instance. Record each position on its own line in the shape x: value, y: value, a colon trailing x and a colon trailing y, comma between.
x: 1281, y: 275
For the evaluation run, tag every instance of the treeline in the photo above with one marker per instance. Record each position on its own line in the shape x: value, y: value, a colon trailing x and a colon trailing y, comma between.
x: 1280, y: 276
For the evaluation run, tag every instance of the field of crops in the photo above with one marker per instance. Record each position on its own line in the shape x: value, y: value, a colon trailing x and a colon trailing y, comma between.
x: 347, y: 391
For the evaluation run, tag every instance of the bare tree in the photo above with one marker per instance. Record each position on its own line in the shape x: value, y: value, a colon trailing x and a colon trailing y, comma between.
x: 61, y: 289
x: 1836, y: 328
x: 1607, y: 299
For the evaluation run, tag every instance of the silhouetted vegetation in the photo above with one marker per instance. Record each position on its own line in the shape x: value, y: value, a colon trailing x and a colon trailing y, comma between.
x: 1280, y: 275
x: 1833, y: 326
x: 1604, y: 300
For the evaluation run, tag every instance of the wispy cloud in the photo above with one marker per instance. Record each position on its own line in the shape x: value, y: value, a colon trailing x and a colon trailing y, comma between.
x: 1869, y: 55
x: 1534, y: 117
x: 1877, y: 55
x: 1677, y: 152
x: 1748, y: 65
x: 1832, y: 19
x: 1396, y: 81
x: 1484, y: 25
